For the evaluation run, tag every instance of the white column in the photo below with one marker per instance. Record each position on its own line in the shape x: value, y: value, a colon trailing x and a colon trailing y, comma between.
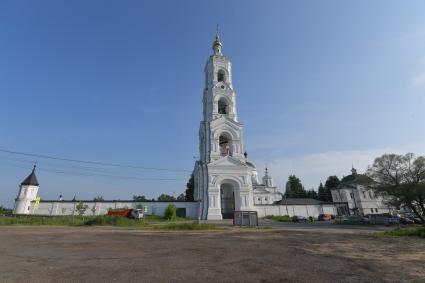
x: 214, y: 204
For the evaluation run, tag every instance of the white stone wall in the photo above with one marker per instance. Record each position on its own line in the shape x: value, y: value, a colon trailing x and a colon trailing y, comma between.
x: 100, y: 208
x: 299, y: 210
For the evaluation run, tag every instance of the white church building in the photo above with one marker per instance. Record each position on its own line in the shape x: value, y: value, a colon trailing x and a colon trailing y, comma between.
x: 225, y: 181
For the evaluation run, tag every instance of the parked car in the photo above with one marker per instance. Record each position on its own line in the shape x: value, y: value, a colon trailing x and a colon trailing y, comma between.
x: 412, y: 217
x: 326, y: 217
x: 298, y: 219
x: 406, y: 221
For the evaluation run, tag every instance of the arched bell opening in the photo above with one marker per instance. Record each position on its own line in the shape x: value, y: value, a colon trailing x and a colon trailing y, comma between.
x: 225, y: 143
x: 221, y: 76
x: 223, y: 107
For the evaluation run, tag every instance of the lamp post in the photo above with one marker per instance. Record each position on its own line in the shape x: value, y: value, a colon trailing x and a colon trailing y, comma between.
x: 199, y: 211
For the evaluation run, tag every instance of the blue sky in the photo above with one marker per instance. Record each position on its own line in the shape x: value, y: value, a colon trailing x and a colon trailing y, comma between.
x: 321, y: 85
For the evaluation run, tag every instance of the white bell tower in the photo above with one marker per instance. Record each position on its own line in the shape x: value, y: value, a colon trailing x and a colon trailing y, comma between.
x: 27, y: 193
x: 222, y: 175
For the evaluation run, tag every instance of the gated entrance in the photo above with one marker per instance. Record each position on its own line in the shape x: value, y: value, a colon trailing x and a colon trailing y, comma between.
x: 227, y: 201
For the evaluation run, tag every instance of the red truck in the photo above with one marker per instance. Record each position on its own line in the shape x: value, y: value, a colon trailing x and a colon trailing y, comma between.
x: 130, y: 213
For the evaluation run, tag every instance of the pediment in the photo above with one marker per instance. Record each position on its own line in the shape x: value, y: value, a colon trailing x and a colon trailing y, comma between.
x: 224, y: 120
x: 228, y: 161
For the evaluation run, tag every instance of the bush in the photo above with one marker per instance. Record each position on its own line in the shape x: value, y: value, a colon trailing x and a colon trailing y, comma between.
x: 171, y: 212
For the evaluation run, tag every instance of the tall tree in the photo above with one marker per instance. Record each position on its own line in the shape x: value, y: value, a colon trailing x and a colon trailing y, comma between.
x: 294, y: 188
x: 402, y: 179
x: 331, y: 183
x: 322, y: 193
x: 190, y: 188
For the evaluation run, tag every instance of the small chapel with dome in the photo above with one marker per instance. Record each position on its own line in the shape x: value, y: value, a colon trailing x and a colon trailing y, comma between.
x: 225, y: 180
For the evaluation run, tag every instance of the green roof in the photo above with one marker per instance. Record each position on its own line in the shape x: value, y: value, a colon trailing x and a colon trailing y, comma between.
x: 356, y: 179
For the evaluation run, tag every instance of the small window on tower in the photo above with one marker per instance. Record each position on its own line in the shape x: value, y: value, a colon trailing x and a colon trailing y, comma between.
x: 221, y: 76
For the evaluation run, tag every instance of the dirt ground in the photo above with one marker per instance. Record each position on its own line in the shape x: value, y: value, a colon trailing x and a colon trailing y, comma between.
x: 97, y: 254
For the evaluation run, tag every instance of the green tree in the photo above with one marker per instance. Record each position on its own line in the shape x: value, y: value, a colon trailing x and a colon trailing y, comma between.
x: 81, y: 208
x: 165, y: 197
x: 181, y: 197
x: 4, y: 210
x: 401, y: 178
x: 171, y: 212
x: 321, y: 192
x: 139, y: 198
x: 190, y: 188
x: 93, y: 209
x: 294, y: 188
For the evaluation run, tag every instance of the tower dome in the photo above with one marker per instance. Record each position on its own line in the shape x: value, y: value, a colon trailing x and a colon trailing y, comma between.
x: 267, y: 179
x: 31, y: 180
x: 217, y: 45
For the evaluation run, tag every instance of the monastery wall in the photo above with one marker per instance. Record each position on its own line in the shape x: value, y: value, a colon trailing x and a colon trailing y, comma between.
x: 57, y: 208
x: 299, y: 210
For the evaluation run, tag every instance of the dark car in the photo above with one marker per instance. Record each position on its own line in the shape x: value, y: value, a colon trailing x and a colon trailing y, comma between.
x: 298, y: 219
x: 406, y: 220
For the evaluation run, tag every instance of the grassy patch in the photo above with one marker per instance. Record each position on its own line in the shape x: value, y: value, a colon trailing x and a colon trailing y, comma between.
x: 42, y: 220
x: 185, y: 226
x: 113, y: 221
x: 156, y: 218
x: 416, y: 231
x: 103, y: 220
x: 283, y: 218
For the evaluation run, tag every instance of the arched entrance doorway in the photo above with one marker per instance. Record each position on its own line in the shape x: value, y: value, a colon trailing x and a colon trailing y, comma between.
x: 227, y: 193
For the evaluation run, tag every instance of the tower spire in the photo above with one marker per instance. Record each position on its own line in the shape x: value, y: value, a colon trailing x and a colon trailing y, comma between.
x: 217, y: 43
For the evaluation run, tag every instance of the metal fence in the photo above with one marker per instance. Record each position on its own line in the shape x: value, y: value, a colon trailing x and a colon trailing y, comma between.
x: 245, y: 218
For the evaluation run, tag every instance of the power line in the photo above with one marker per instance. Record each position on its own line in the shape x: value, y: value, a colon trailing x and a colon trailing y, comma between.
x: 86, y: 168
x: 100, y: 175
x: 90, y: 162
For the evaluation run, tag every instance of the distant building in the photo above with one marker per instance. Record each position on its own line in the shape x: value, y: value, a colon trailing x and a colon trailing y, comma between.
x: 265, y: 193
x: 355, y: 190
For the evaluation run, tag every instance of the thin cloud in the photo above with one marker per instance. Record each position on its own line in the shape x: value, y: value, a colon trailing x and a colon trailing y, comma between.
x: 418, y: 81
x: 411, y: 37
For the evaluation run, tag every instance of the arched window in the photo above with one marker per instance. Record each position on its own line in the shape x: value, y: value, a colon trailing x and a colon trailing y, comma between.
x: 225, y: 145
x: 221, y: 76
x: 222, y: 106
